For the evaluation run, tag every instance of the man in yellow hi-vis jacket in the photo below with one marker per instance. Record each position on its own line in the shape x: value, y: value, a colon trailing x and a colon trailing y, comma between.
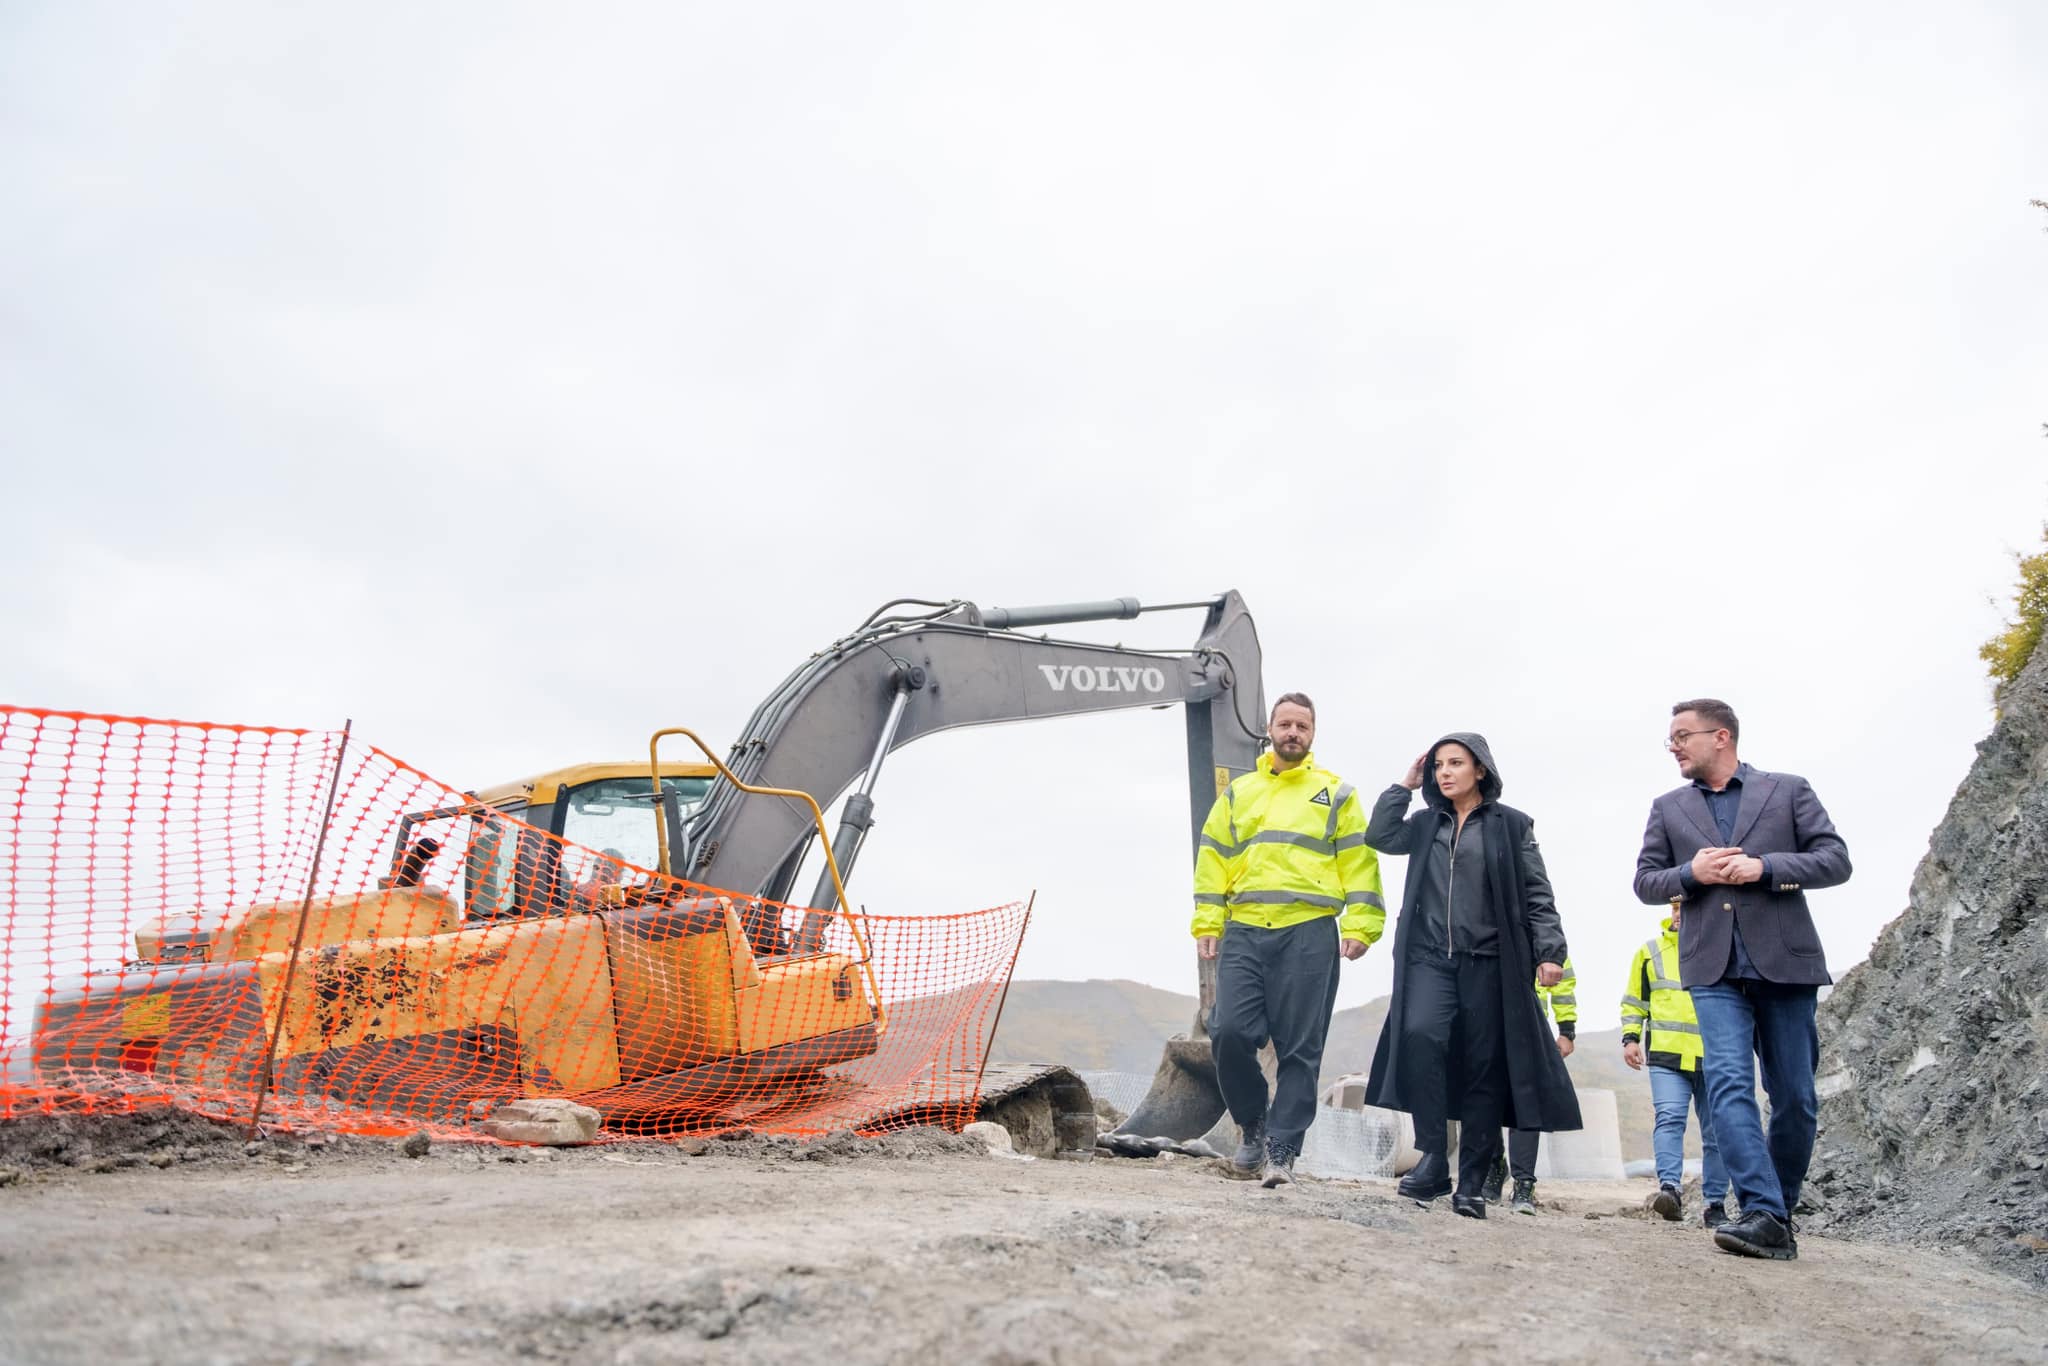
x: 1284, y: 887
x: 1658, y: 1025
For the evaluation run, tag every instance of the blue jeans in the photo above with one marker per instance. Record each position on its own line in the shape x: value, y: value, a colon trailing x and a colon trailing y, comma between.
x: 1740, y: 1019
x: 1672, y: 1091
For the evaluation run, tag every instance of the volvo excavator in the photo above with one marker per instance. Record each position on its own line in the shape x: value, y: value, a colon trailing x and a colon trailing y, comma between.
x: 647, y: 1000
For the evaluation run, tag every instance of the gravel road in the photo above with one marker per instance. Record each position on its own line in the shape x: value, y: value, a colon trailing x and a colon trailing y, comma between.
x: 915, y: 1248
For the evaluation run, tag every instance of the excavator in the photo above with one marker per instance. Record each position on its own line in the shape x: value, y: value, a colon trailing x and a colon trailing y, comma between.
x: 520, y: 946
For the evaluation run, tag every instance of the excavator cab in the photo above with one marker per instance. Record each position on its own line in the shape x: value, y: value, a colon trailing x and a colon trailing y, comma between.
x: 597, y: 812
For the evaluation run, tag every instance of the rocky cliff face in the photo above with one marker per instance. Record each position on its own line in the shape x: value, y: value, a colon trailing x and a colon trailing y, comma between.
x: 1934, y: 1053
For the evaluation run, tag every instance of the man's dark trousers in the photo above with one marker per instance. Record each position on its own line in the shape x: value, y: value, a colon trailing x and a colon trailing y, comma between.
x: 1742, y: 1018
x: 1456, y: 1046
x: 1279, y: 985
x: 1522, y: 1153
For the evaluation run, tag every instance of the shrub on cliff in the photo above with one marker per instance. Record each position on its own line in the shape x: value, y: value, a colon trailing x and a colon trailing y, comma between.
x: 2006, y: 653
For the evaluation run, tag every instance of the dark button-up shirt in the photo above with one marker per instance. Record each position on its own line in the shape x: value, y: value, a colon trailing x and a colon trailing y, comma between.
x: 1724, y: 806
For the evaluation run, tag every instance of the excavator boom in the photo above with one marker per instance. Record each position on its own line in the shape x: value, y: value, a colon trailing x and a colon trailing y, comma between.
x: 839, y: 715
x: 834, y: 721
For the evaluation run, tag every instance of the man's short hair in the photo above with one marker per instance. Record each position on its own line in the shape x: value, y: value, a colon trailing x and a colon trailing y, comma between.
x: 1715, y: 713
x: 1299, y: 699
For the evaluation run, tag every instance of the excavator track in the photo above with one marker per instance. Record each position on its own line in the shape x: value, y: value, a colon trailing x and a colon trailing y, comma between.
x: 1047, y: 1109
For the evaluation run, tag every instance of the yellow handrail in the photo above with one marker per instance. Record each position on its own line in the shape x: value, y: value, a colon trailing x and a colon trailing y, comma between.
x: 867, y: 958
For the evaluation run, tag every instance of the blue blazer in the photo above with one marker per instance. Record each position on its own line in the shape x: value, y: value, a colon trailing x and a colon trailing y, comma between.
x: 1779, y: 820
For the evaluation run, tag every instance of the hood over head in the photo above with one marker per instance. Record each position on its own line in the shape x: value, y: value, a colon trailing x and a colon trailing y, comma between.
x: 1489, y: 786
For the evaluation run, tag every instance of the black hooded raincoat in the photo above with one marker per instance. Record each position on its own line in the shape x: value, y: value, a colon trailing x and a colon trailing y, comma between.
x: 1524, y: 918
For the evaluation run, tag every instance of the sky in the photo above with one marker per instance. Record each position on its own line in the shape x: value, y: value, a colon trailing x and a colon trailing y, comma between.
x: 515, y: 380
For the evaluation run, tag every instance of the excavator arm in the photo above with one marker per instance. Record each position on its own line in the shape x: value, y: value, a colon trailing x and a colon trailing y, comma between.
x: 835, y: 719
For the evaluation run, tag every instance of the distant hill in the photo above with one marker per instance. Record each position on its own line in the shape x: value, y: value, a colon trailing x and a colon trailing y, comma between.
x: 1117, y: 1026
x: 1104, y: 1026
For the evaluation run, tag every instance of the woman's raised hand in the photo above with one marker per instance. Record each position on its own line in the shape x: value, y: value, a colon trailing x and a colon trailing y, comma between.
x: 1414, y: 778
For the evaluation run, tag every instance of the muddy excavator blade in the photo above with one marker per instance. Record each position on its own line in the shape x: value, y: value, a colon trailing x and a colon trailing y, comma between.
x: 1183, y: 1102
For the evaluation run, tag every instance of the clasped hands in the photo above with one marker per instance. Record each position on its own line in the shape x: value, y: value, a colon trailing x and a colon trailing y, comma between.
x: 1726, y: 866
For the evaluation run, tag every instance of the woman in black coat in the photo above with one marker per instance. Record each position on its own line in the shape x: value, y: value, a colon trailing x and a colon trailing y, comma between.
x: 1465, y: 1036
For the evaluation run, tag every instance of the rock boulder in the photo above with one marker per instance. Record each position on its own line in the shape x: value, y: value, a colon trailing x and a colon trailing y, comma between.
x: 545, y: 1120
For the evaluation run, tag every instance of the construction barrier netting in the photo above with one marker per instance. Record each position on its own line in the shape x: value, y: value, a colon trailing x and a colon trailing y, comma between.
x: 200, y: 914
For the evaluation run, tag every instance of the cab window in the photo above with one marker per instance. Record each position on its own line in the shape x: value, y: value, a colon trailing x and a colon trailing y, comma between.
x: 469, y: 853
x: 616, y: 816
x: 490, y: 881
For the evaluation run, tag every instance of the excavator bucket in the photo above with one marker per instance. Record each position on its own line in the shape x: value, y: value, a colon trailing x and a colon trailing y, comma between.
x: 1184, y: 1101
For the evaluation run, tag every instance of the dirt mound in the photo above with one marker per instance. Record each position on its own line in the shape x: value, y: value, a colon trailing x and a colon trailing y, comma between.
x: 1934, y: 1053
x: 161, y: 1137
x: 100, y: 1142
x: 917, y: 1144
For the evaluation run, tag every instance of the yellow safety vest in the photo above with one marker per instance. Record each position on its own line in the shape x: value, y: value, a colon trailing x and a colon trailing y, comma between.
x: 1279, y: 849
x: 1659, y: 1008
x: 1563, y: 999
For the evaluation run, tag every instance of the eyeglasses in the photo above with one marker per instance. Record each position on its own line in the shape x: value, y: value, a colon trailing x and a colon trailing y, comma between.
x: 1678, y: 737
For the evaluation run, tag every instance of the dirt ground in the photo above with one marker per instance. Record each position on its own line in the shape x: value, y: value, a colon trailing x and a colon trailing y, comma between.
x: 165, y: 1242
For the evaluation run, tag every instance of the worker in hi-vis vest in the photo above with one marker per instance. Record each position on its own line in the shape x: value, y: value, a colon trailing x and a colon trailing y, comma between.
x: 1658, y: 1027
x: 1285, y: 889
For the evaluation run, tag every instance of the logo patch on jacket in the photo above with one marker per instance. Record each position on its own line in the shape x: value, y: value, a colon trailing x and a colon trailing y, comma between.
x: 1321, y: 798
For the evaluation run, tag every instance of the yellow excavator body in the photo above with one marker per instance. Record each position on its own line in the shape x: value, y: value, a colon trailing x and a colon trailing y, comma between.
x: 656, y: 1002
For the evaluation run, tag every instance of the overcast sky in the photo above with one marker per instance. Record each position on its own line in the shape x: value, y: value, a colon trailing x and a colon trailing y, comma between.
x: 517, y: 379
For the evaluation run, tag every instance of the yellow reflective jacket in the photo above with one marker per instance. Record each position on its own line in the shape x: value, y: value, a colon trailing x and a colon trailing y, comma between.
x: 1563, y: 999
x: 1279, y: 849
x: 1657, y: 1009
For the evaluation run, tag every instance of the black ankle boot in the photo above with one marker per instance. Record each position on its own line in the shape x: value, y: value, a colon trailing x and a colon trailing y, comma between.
x: 1428, y: 1179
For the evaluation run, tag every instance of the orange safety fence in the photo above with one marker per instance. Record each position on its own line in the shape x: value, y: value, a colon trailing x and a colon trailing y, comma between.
x: 155, y: 877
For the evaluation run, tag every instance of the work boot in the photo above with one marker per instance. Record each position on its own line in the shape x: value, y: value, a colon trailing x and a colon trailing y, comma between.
x: 1496, y: 1177
x: 1714, y: 1215
x: 1758, y: 1234
x: 1279, y: 1171
x: 1525, y: 1196
x: 1666, y: 1203
x: 1250, y: 1157
x: 1471, y: 1206
x: 1427, y: 1179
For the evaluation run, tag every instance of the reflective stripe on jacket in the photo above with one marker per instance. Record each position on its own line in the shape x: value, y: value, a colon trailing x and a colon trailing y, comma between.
x: 1279, y: 849
x: 1562, y: 999
x: 1658, y: 1009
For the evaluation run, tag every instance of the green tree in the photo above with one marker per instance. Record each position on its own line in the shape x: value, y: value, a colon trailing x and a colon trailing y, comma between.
x: 2006, y: 653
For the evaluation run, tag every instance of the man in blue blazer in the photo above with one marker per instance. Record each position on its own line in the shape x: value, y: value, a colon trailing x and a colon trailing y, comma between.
x: 1743, y: 847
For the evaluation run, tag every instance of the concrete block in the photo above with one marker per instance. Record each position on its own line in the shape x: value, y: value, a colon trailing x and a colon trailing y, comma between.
x: 1592, y: 1153
x: 546, y: 1120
